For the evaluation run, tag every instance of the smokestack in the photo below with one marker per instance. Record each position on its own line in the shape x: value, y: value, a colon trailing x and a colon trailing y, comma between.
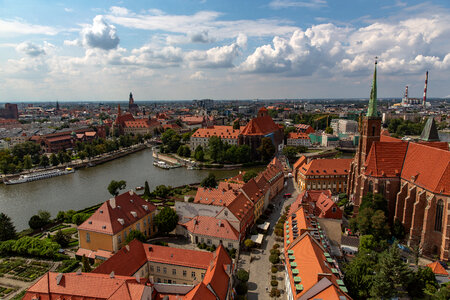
x: 406, y: 92
x: 425, y: 90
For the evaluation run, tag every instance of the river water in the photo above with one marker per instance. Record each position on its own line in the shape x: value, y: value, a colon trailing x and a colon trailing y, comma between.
x: 87, y: 187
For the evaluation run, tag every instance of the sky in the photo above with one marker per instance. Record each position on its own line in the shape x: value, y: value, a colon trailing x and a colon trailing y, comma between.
x: 196, y: 49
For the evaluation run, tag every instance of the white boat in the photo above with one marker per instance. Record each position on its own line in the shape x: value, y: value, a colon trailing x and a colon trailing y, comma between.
x: 164, y: 165
x: 40, y: 175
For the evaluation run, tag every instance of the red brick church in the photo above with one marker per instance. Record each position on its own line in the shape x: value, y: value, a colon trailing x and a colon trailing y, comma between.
x: 414, y: 177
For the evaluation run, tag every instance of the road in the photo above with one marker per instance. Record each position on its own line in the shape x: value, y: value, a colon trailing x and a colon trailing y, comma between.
x: 260, y: 267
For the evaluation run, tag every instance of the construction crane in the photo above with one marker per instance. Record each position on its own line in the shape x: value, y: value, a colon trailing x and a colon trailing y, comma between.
x: 316, y: 120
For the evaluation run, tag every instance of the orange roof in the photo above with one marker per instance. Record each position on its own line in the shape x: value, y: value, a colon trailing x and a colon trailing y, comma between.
x: 299, y: 162
x: 241, y: 207
x: 437, y: 268
x: 427, y: 167
x: 210, y: 226
x: 298, y: 136
x: 387, y: 138
x: 252, y: 190
x: 85, y: 286
x: 191, y: 120
x: 224, y: 194
x: 337, y: 166
x: 223, y: 132
x: 439, y: 145
x: 178, y: 256
x: 262, y: 125
x: 118, y: 213
x: 121, y: 119
x: 385, y: 159
x: 141, y: 123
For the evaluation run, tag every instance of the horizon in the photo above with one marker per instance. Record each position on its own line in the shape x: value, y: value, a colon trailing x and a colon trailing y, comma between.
x: 178, y: 49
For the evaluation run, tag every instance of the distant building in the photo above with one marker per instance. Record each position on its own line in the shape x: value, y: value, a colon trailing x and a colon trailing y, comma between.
x: 329, y: 140
x: 10, y: 111
x: 202, y: 135
x: 298, y: 139
x: 344, y: 126
x: 132, y: 107
x: 304, y: 128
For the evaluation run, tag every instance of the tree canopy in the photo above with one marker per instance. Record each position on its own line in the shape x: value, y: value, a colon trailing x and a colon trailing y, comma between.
x: 135, y: 234
x: 114, y: 186
x: 7, y: 229
x: 209, y: 181
x: 249, y: 175
x: 267, y: 149
x: 166, y: 220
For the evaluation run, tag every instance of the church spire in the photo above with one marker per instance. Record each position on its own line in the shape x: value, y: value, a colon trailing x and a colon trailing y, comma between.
x: 372, y: 110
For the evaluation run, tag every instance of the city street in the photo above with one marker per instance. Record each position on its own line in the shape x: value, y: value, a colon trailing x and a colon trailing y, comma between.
x: 259, y: 269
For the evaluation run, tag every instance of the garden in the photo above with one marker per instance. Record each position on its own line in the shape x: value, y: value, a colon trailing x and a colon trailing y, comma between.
x: 21, y: 269
x: 5, y: 291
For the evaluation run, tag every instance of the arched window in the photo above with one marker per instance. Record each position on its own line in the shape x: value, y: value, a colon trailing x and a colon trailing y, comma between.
x: 439, y: 213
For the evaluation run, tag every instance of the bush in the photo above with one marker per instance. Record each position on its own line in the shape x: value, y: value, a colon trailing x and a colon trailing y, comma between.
x: 61, y: 238
x: 68, y: 266
x: 275, y: 251
x: 274, y: 269
x: 191, y: 199
x: 79, y: 218
x: 170, y: 203
x: 36, y: 222
x: 279, y: 232
x: 242, y: 275
x: 276, y: 246
x: 29, y: 246
x: 274, y: 259
x: 274, y: 283
x: 275, y: 292
x: 249, y: 243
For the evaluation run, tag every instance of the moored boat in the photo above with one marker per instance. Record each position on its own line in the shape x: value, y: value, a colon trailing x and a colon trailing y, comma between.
x: 39, y: 175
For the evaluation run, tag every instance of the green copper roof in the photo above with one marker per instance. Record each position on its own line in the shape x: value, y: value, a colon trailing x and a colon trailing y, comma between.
x: 290, y: 252
x: 430, y: 132
x: 372, y: 109
x: 293, y: 264
x: 295, y: 271
x: 297, y: 279
x: 339, y: 282
x: 299, y: 287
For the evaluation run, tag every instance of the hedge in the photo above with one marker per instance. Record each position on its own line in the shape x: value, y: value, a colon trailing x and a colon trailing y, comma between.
x: 30, y: 246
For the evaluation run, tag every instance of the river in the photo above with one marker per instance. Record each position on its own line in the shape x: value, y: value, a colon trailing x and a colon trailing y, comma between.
x: 87, y: 187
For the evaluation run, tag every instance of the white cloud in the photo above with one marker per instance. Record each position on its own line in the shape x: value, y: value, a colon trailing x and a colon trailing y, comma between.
x: 98, y: 35
x: 119, y: 11
x: 279, y: 4
x: 199, y: 75
x: 200, y: 37
x: 16, y: 27
x: 67, y: 9
x: 30, y: 49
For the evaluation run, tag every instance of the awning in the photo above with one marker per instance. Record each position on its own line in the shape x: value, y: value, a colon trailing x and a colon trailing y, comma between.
x: 264, y: 226
x: 258, y: 238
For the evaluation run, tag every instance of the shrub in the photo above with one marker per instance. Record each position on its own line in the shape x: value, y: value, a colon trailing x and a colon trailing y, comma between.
x: 191, y: 199
x: 242, y: 275
x: 279, y: 232
x: 79, y: 218
x: 275, y: 292
x: 249, y: 243
x: 275, y: 251
x: 68, y: 266
x: 276, y: 246
x: 274, y: 259
x: 36, y: 222
x: 274, y: 283
x: 170, y: 203
x: 274, y: 269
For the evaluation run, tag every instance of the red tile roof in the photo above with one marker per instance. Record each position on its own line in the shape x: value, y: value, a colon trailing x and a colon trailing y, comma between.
x: 439, y: 145
x: 141, y: 123
x: 224, y: 194
x: 121, y: 119
x: 337, y: 166
x: 252, y: 190
x: 210, y: 226
x: 437, y: 268
x: 177, y: 256
x: 260, y: 126
x: 385, y: 159
x: 85, y: 286
x: 299, y: 162
x: 298, y: 136
x: 118, y: 213
x: 387, y: 138
x: 223, y: 132
x: 242, y: 208
x: 427, y: 167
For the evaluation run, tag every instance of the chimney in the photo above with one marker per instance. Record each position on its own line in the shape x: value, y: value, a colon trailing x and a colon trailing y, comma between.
x: 127, y: 247
x: 138, y: 278
x: 131, y: 192
x: 111, y: 275
x: 112, y: 202
x: 78, y: 272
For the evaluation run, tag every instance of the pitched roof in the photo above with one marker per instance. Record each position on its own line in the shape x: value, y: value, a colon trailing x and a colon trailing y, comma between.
x: 84, y: 285
x: 260, y: 126
x: 224, y: 194
x: 216, y: 276
x: 223, y: 132
x: 118, y: 213
x: 427, y: 167
x: 332, y: 166
x: 210, y: 226
x: 126, y: 261
x: 241, y: 207
x: 178, y: 256
x: 385, y: 159
x: 252, y: 190
x: 430, y: 132
x: 437, y: 268
x: 299, y: 162
x: 298, y: 136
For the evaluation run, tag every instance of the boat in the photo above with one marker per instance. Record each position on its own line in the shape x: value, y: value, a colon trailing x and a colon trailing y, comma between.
x: 163, y: 165
x: 139, y: 188
x: 40, y: 175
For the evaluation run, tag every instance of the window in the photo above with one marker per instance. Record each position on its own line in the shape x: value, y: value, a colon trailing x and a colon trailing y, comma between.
x: 88, y: 237
x: 159, y: 280
x: 209, y: 242
x: 202, y: 240
x: 158, y: 269
x: 174, y: 272
x: 370, y: 187
x: 438, y: 218
x: 184, y: 273
x: 230, y: 245
x: 152, y: 269
x: 333, y: 209
x: 165, y: 270
x: 165, y: 280
x: 138, y: 226
x: 203, y: 275
x: 145, y: 223
x: 193, y: 274
x: 119, y: 238
x: 130, y: 229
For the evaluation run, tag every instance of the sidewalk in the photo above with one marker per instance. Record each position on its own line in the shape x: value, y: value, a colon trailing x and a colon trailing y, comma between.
x: 260, y: 267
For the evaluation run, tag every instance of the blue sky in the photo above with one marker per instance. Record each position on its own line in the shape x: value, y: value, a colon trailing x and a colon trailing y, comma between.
x: 102, y: 50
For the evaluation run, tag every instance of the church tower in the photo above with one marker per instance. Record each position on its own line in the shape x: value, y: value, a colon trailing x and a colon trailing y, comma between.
x: 369, y: 132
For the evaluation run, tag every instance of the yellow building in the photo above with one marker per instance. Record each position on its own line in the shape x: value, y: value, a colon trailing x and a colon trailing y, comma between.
x: 106, y: 231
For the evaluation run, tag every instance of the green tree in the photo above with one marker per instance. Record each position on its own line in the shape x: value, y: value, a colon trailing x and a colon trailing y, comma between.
x: 162, y: 191
x: 61, y: 216
x: 27, y: 163
x: 249, y: 243
x: 86, y: 267
x: 171, y: 140
x: 54, y: 159
x: 267, y: 149
x: 236, y: 124
x: 215, y: 147
x: 79, y: 218
x: 36, y: 222
x: 249, y: 175
x: 390, y: 275
x: 166, y: 220
x: 359, y: 274
x: 274, y: 259
x: 61, y: 239
x: 243, y: 154
x: 147, y: 193
x: 114, y: 186
x: 209, y: 181
x: 135, y: 234
x: 44, y: 162
x: 199, y: 154
x: 398, y: 231
x: 7, y: 229
x: 418, y: 282
x: 242, y: 275
x: 44, y: 215
x: 290, y: 152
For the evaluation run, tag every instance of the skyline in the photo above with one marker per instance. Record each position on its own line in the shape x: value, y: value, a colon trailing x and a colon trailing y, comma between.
x: 101, y: 50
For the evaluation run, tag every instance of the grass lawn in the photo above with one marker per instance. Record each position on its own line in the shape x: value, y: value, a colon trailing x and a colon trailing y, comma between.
x: 57, y: 227
x: 70, y: 231
x: 5, y: 291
